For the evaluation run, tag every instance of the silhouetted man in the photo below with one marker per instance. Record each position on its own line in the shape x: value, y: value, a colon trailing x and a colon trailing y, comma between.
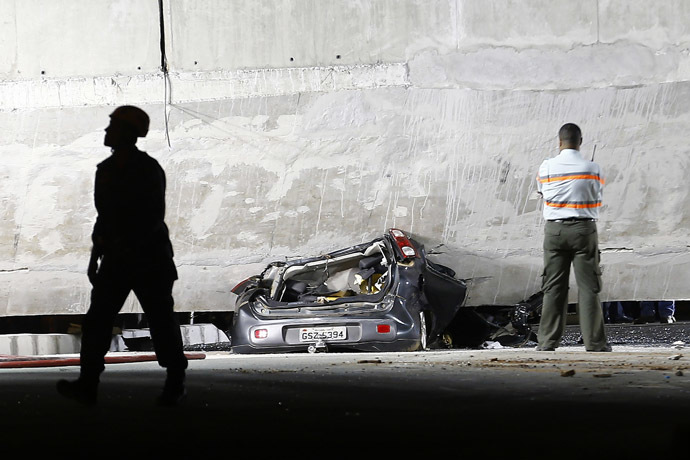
x: 572, y: 188
x: 131, y: 252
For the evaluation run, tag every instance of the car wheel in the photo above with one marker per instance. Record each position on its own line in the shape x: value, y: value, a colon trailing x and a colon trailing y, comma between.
x: 423, y: 334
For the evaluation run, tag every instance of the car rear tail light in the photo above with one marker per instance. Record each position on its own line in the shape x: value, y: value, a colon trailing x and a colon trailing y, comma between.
x: 408, y: 251
x: 404, y: 244
x: 383, y: 328
x: 260, y: 333
x: 239, y: 287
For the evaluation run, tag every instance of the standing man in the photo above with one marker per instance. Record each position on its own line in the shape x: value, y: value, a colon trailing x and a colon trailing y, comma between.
x: 131, y: 252
x: 572, y: 190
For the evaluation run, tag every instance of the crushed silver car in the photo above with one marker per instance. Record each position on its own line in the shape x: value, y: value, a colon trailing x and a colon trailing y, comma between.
x: 383, y: 295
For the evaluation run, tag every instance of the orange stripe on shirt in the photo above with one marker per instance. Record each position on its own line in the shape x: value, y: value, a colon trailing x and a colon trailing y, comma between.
x: 573, y: 205
x: 573, y: 177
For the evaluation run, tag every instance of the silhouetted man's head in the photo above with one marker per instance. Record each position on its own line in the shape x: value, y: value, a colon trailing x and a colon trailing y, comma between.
x: 570, y: 136
x: 127, y: 123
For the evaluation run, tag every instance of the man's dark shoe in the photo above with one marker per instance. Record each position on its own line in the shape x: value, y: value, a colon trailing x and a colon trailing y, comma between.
x: 174, y: 391
x: 171, y: 397
x: 605, y: 349
x: 79, y: 391
x: 541, y: 348
x: 644, y: 320
x: 623, y: 319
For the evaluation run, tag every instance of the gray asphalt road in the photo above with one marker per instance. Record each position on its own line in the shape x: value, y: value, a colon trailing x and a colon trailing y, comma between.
x: 509, y: 403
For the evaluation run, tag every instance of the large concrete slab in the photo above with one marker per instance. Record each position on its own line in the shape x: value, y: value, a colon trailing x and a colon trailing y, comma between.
x: 291, y: 128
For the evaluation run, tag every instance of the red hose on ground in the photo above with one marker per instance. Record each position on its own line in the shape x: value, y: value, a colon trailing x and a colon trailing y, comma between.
x: 14, y: 362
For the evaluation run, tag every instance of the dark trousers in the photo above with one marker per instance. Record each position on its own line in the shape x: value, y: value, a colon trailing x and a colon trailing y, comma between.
x: 571, y: 243
x: 114, y: 282
x: 665, y: 308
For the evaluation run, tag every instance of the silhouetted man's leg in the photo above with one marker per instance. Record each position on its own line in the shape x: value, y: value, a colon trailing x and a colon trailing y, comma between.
x: 155, y: 297
x: 107, y: 298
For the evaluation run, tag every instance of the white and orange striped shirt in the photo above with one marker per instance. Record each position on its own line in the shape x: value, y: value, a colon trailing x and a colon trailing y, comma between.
x: 571, y: 186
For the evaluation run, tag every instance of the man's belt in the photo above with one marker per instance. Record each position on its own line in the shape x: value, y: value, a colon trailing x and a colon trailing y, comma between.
x: 574, y: 219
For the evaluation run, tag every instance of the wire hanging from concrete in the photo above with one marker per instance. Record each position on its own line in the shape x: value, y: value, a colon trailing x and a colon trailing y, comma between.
x: 164, y: 68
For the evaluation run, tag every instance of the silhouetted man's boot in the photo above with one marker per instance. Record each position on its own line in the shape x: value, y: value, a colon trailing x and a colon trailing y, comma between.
x: 174, y: 391
x: 83, y: 390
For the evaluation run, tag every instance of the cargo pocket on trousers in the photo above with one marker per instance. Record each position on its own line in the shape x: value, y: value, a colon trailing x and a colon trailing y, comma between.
x: 597, y: 280
x: 543, y: 277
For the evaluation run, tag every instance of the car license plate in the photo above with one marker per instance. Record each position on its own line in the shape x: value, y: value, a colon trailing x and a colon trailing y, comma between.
x: 315, y: 334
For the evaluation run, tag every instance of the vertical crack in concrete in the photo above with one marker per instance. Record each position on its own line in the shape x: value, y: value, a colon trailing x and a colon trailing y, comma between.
x: 164, y: 69
x: 598, y: 15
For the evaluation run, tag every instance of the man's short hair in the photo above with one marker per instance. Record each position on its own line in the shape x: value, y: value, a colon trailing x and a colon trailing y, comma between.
x: 570, y: 133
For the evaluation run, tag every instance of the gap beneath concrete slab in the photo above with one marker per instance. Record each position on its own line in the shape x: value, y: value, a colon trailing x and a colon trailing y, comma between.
x: 197, y: 336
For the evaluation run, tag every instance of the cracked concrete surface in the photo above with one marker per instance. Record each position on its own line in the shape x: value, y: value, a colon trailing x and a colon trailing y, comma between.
x: 301, y: 127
